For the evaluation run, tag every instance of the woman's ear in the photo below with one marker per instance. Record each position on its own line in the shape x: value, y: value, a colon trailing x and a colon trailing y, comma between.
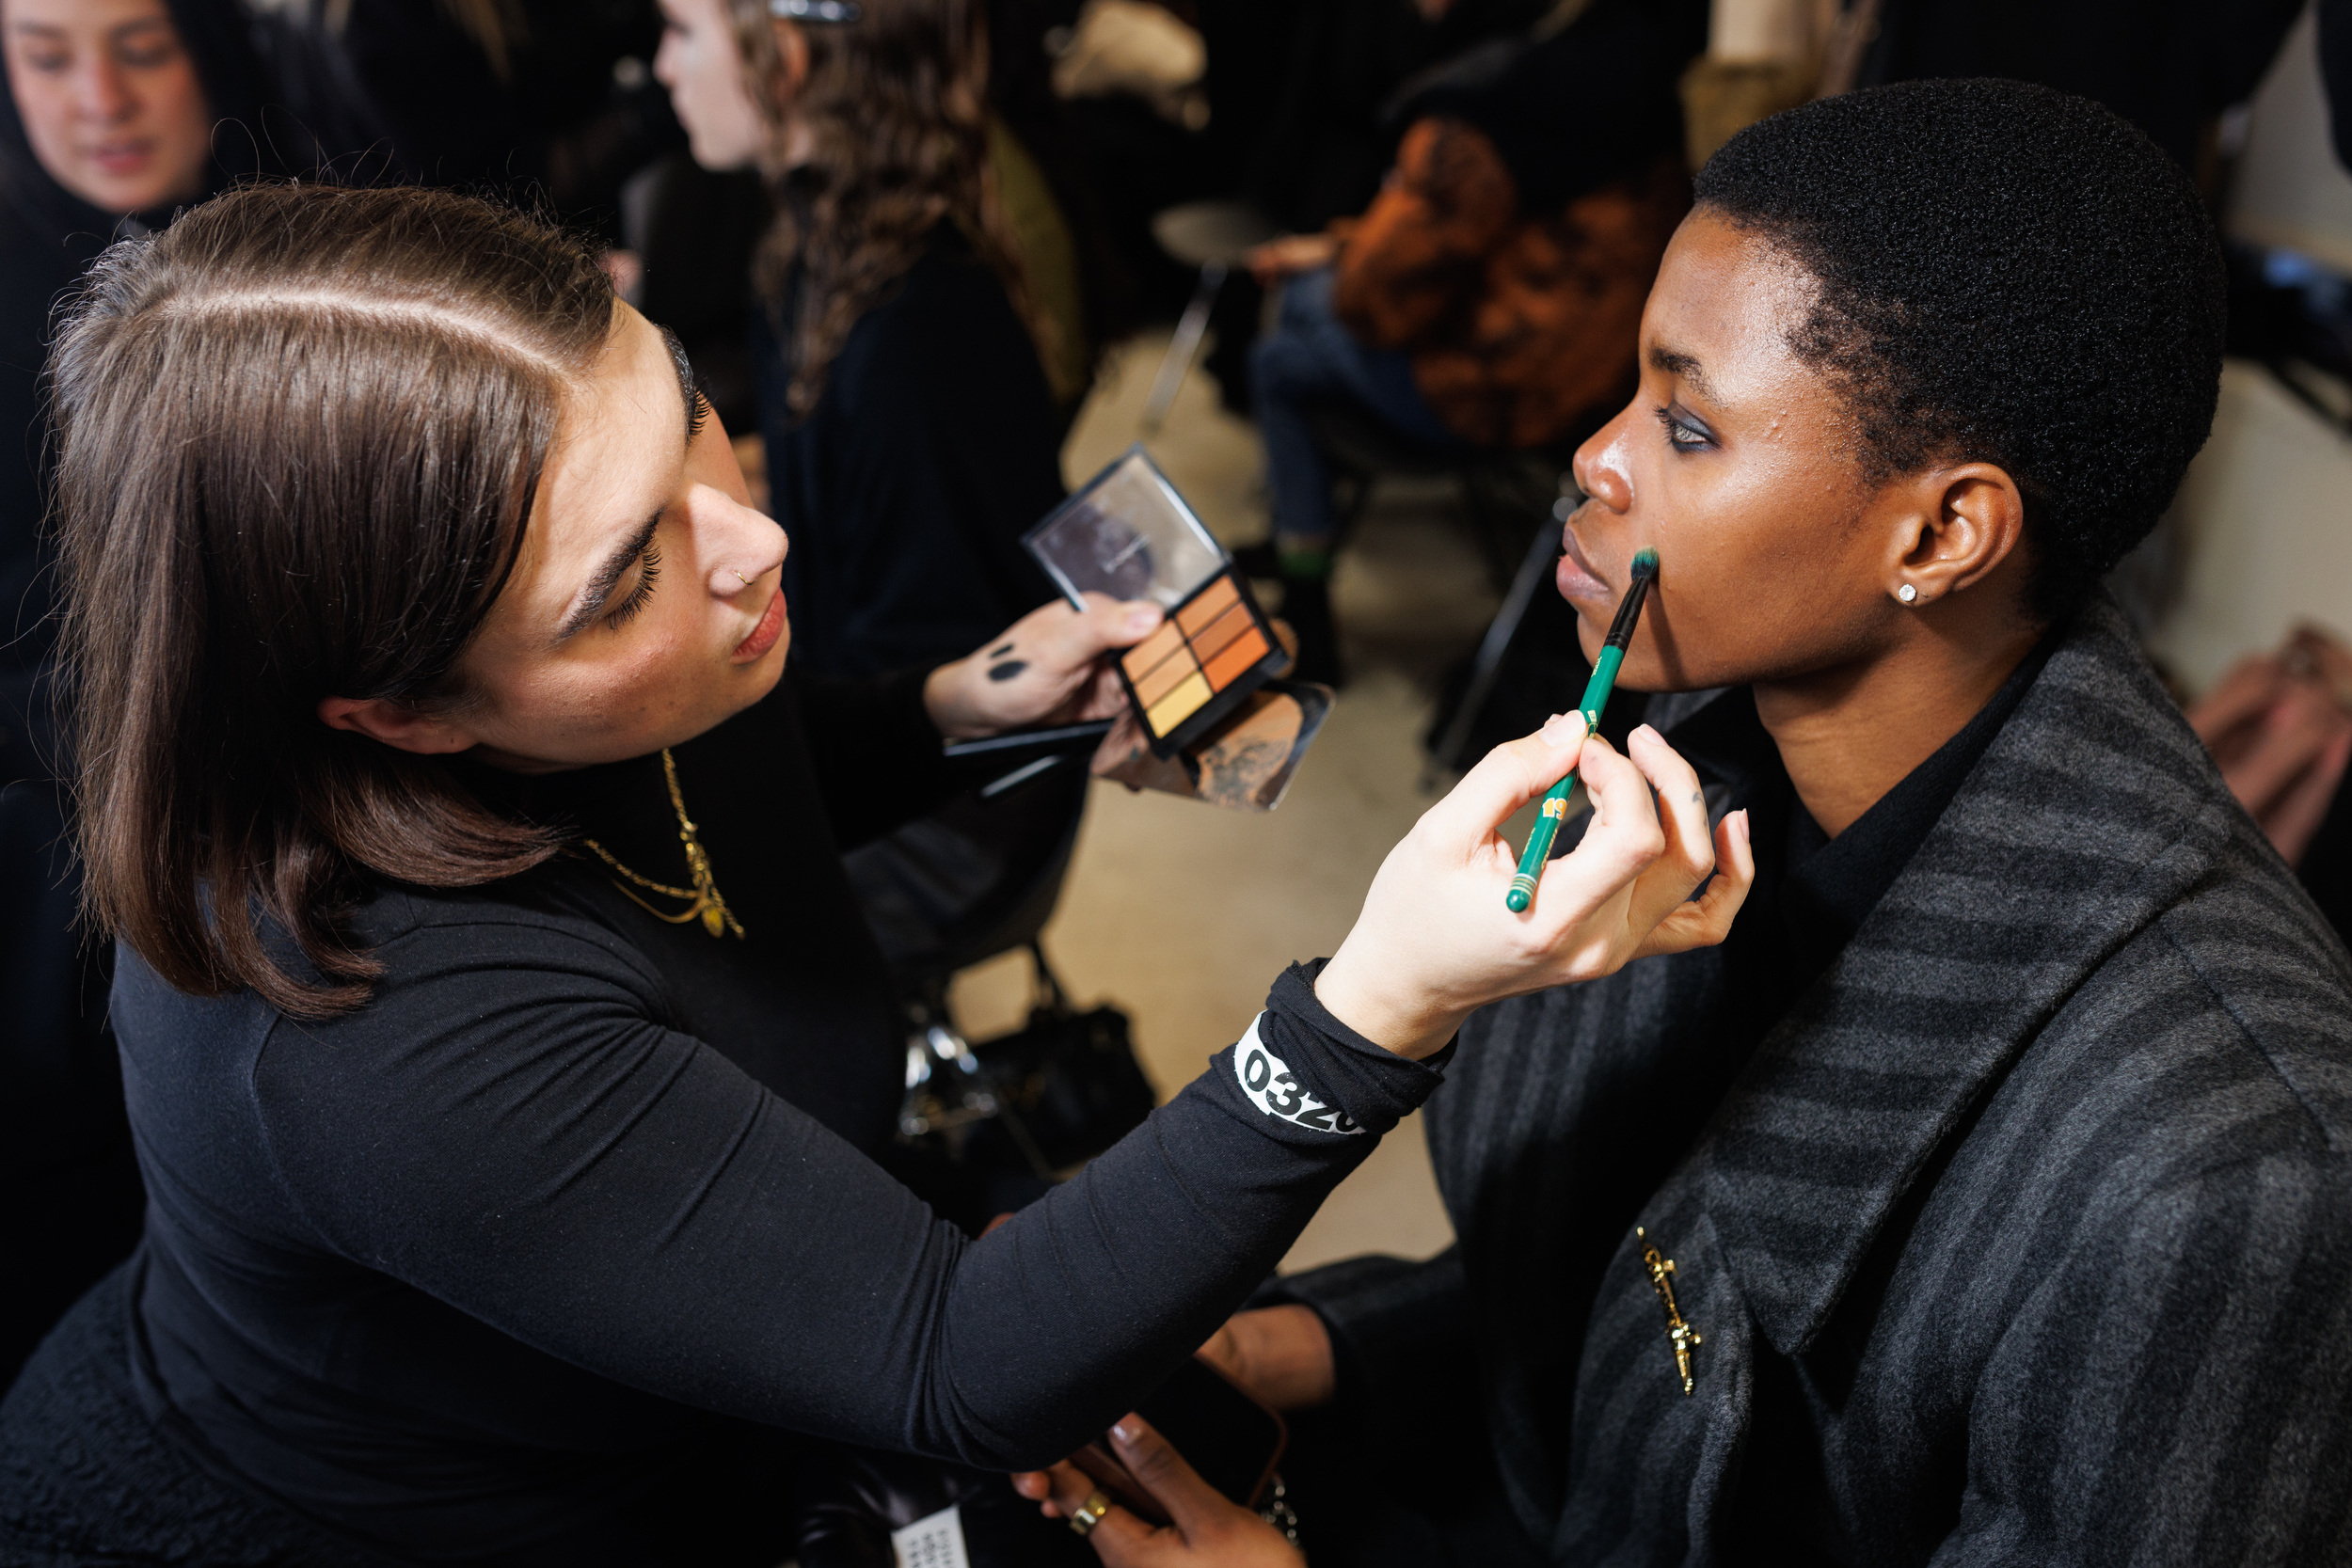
x: 1956, y: 528
x: 402, y: 728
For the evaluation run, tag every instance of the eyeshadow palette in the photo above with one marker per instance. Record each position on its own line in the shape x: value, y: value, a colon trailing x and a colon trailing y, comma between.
x: 1129, y: 534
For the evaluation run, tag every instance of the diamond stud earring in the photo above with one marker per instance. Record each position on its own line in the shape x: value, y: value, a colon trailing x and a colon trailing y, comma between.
x: 1907, y: 593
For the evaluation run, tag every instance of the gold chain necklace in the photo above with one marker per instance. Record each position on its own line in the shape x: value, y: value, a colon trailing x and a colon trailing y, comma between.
x: 716, y: 918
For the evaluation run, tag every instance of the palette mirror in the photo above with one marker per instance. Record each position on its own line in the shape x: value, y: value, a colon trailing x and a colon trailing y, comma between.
x: 1128, y: 533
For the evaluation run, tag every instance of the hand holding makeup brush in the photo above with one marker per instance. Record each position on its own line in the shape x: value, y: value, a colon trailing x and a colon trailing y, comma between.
x: 1047, y: 668
x: 1435, y: 942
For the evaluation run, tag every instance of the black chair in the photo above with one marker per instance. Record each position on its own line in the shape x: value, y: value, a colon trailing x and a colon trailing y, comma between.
x: 1503, y: 492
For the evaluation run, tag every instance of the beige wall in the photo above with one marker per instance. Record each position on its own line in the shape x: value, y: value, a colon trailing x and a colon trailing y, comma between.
x: 2264, y: 530
x: 2287, y: 188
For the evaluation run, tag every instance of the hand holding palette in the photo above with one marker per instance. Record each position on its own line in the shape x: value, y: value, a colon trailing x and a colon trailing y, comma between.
x: 1129, y: 534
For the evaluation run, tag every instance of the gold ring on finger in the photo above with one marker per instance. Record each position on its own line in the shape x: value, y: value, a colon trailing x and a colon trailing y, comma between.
x: 1090, y: 1511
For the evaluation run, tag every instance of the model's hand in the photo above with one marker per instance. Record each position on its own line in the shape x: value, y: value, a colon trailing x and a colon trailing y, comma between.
x: 1211, y: 1531
x: 1282, y: 1355
x: 1047, y: 668
x: 1292, y: 255
x: 2282, y: 740
x: 1435, y: 941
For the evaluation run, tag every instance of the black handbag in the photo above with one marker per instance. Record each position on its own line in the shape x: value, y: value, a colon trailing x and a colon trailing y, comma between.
x: 1059, y: 1090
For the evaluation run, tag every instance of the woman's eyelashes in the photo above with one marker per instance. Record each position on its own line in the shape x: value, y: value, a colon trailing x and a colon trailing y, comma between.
x: 147, y: 57
x: 1684, y: 431
x: 699, y: 418
x: 648, y: 569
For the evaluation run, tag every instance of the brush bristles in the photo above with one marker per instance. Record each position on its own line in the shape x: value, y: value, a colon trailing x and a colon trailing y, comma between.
x: 1646, y: 564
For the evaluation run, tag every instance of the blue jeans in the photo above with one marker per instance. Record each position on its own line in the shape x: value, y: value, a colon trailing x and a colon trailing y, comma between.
x: 1311, y: 357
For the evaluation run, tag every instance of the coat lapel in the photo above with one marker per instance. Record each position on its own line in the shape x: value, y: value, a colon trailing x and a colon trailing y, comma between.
x: 2093, y: 810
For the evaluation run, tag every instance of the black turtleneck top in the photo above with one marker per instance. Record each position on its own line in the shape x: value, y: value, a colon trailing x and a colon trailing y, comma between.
x: 562, y: 1247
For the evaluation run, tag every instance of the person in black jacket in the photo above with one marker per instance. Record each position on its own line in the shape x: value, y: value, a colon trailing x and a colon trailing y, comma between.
x: 1984, y: 1199
x: 2169, y: 68
x: 504, y: 1058
x: 108, y: 120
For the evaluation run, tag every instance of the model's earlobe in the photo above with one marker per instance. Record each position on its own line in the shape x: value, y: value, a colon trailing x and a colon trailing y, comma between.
x: 402, y: 728
x: 1970, y: 520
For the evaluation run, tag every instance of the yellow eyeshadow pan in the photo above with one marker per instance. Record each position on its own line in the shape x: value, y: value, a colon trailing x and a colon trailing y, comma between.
x: 1180, y: 703
x: 1212, y: 641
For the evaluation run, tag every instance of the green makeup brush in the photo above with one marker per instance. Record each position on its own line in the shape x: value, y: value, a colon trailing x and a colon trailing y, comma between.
x: 1596, y: 692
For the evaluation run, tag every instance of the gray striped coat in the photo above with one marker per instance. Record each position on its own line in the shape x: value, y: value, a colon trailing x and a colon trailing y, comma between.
x: 2025, y: 1237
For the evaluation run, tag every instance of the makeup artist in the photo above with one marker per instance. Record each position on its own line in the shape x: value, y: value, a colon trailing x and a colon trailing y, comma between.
x: 503, y: 1052
x: 1985, y: 1198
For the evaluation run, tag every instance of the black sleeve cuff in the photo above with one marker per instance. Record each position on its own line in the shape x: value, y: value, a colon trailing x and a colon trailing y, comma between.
x: 1301, y: 1064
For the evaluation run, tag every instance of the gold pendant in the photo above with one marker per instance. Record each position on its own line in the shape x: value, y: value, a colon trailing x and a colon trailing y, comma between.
x: 705, y: 899
x: 1684, y: 1337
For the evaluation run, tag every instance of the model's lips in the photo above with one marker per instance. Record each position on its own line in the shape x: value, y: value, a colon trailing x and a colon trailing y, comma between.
x: 764, y: 635
x: 1575, y: 574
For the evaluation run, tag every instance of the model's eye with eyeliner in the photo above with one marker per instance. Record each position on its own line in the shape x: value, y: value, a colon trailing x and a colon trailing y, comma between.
x: 1684, y: 432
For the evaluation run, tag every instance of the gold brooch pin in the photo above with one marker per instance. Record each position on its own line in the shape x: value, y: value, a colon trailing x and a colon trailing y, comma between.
x: 1685, y: 1338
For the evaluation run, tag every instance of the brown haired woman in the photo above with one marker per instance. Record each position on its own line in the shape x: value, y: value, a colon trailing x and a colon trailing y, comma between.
x: 912, y: 435
x: 502, y: 1048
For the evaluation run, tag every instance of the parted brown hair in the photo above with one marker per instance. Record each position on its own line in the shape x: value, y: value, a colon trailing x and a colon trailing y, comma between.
x: 895, y: 110
x: 299, y: 437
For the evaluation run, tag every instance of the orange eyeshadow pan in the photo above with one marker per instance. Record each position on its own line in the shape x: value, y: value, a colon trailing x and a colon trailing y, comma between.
x: 1206, y: 605
x: 1211, y: 641
x: 1162, y: 679
x: 1140, y: 659
x: 1239, y: 656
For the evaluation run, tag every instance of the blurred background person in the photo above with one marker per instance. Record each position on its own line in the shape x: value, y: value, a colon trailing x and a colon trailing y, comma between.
x: 547, y: 102
x: 107, y: 125
x: 1489, y: 295
x: 901, y: 357
x: 2170, y: 69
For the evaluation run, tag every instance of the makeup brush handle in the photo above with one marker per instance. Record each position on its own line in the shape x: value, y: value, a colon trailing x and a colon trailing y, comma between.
x: 1538, y: 850
x: 1555, y: 808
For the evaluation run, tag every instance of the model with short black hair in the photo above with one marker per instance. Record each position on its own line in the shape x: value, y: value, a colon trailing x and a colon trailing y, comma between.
x: 2004, y: 272
x: 1984, y: 1199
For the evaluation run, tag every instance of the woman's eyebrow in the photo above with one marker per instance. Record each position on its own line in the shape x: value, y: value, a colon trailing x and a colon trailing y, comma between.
x: 593, y: 598
x: 1674, y: 362
x: 687, y: 390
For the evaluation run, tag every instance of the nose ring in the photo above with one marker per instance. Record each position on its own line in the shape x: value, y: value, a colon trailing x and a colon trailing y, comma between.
x: 741, y: 577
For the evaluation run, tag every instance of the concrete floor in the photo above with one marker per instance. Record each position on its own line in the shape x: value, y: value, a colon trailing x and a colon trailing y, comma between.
x: 1183, y: 913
